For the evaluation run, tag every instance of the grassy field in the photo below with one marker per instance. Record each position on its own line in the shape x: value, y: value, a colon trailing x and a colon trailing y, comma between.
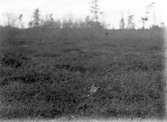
x: 49, y: 73
x: 82, y: 120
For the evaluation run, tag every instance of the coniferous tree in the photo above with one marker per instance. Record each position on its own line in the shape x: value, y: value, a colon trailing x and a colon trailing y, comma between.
x: 122, y: 23
x: 36, y: 19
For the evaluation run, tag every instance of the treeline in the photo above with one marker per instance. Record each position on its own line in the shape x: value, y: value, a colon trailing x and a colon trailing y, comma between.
x: 38, y: 20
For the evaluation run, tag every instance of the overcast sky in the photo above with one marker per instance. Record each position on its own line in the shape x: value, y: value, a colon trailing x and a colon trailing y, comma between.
x: 76, y: 9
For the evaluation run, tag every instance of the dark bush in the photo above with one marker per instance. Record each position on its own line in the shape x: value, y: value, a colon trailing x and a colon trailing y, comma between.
x: 13, y: 60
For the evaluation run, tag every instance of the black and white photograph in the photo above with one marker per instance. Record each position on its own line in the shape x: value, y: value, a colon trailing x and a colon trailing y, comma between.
x: 83, y: 60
